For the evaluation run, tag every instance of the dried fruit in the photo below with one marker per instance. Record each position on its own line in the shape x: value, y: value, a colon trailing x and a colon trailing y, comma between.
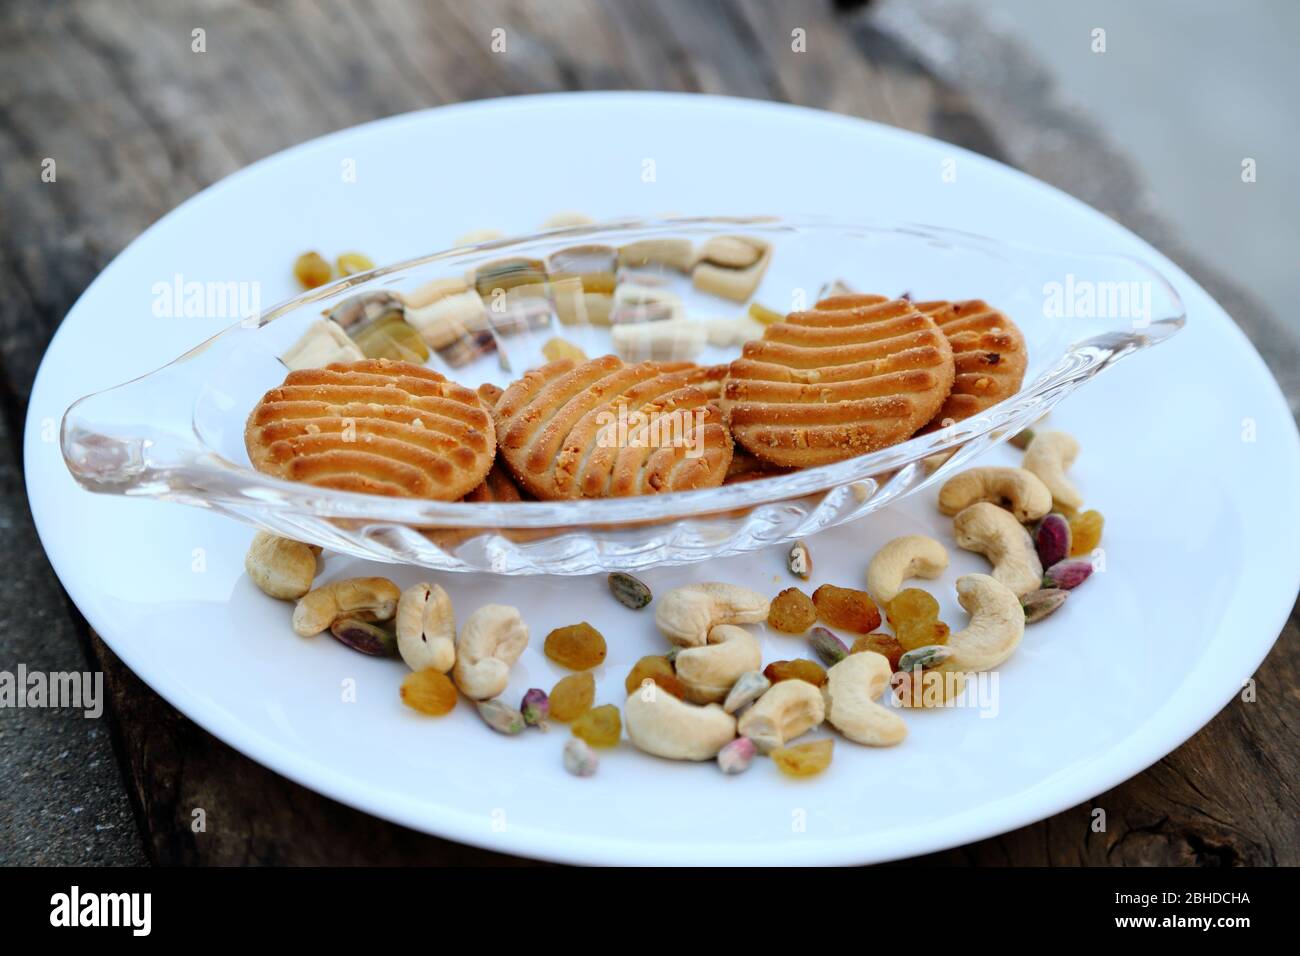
x: 792, y: 611
x: 828, y: 647
x: 535, y: 707
x: 601, y: 726
x: 578, y: 647
x: 656, y: 669
x: 429, y: 691
x: 364, y: 637
x: 1039, y: 604
x: 924, y: 658
x: 749, y: 687
x: 1052, y: 539
x: 800, y: 560
x: 804, y: 760
x: 350, y: 263
x: 558, y: 348
x: 579, y: 759
x: 800, y: 669
x: 502, y: 718
x: 927, y: 688
x: 628, y: 591
x: 846, y: 608
x: 1067, y: 575
x: 571, y: 697
x: 736, y: 756
x: 312, y: 270
x: 1086, y: 531
x: 881, y: 644
x: 914, y: 616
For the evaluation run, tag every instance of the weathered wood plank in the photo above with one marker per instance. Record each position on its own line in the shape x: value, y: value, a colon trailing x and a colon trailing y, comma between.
x: 138, y: 122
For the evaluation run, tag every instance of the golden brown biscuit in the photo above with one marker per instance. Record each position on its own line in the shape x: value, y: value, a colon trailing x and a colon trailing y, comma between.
x: 497, y: 486
x: 989, y: 353
x: 855, y: 374
x: 377, y: 426
x: 605, y: 429
x: 746, y: 467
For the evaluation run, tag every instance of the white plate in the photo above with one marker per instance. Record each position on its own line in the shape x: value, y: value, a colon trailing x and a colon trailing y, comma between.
x: 1189, y: 451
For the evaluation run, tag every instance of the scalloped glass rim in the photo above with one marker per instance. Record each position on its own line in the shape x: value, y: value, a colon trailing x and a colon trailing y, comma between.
x: 165, y: 465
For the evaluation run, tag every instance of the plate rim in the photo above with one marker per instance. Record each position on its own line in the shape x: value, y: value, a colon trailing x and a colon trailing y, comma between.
x: 1142, y: 747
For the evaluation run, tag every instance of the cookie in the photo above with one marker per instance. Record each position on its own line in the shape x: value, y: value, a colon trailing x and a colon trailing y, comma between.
x: 376, y: 426
x: 606, y: 429
x: 497, y: 486
x: 745, y: 467
x: 853, y: 375
x: 989, y: 353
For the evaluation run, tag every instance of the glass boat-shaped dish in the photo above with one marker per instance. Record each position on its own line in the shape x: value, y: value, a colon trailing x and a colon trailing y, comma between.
x: 178, y: 433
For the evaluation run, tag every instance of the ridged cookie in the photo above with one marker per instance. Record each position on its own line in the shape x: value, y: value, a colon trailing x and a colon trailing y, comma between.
x: 377, y: 426
x: 497, y: 486
x: 855, y: 374
x: 989, y: 353
x: 559, y: 429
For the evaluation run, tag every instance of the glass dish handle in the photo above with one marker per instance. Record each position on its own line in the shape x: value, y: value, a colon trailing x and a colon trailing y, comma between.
x: 138, y: 437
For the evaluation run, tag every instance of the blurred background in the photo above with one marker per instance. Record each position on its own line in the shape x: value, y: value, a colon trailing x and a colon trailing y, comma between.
x: 1186, y: 90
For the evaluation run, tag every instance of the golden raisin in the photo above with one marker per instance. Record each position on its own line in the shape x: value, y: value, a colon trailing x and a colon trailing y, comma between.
x: 558, y: 348
x: 659, y: 670
x: 429, y: 691
x: 928, y: 688
x: 311, y: 270
x: 800, y: 669
x: 600, y: 727
x: 350, y: 263
x: 1085, y: 532
x: 846, y: 608
x: 792, y: 611
x: 914, y: 616
x: 572, y: 696
x: 804, y: 760
x: 881, y: 644
x: 578, y: 647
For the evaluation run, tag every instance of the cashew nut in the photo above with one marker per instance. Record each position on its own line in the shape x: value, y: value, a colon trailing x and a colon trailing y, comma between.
x: 851, y: 689
x: 366, y: 599
x: 1047, y: 456
x: 687, y: 614
x: 911, y: 556
x: 790, y: 708
x: 323, y: 342
x: 1020, y: 490
x: 489, y: 643
x: 989, y: 530
x: 280, y: 567
x: 426, y: 628
x: 997, y: 623
x: 708, y: 673
x: 660, y: 724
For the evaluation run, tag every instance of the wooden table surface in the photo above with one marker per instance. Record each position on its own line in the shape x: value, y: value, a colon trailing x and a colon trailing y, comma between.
x: 146, y: 123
